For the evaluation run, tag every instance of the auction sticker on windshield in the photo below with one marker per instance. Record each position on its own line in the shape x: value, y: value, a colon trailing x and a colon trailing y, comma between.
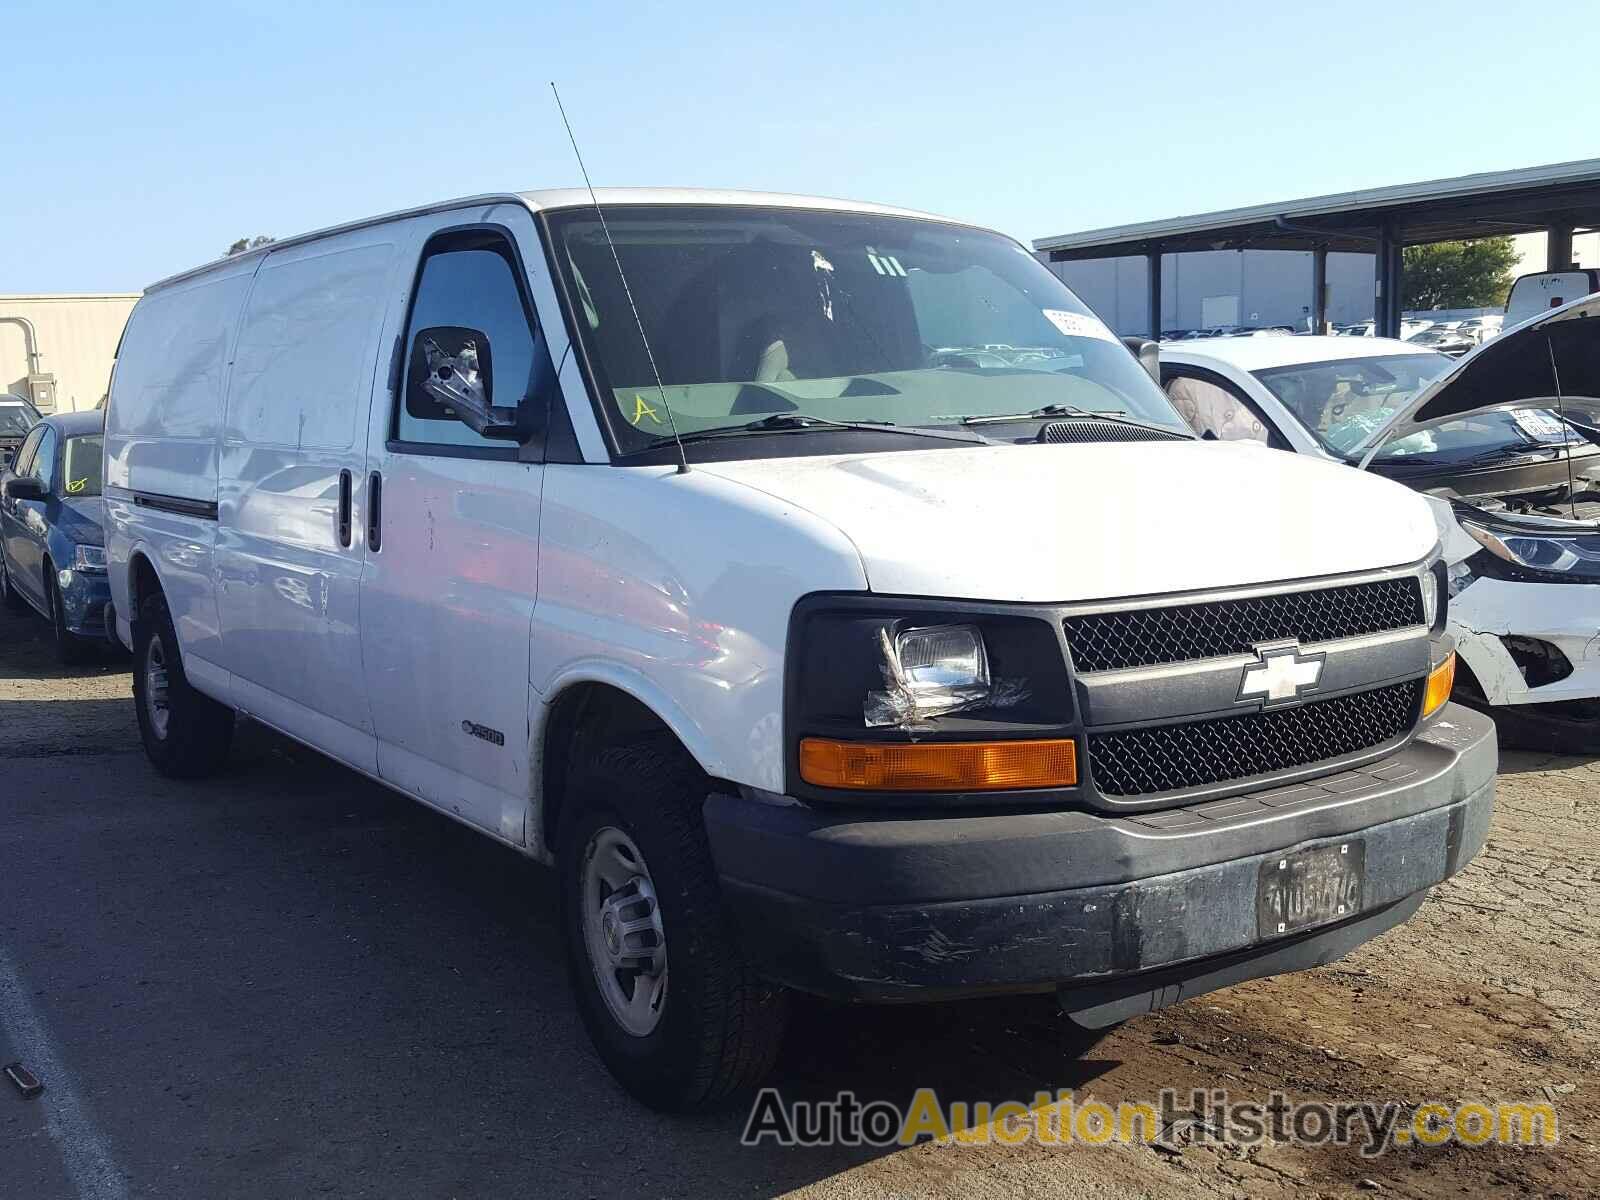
x: 1078, y: 324
x: 1542, y: 423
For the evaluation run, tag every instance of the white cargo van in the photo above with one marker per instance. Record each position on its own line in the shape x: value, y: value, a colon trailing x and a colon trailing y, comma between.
x: 1537, y: 293
x: 840, y: 607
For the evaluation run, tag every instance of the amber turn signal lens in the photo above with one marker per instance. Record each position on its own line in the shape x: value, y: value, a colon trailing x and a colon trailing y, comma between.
x: 938, y: 766
x: 1440, y: 681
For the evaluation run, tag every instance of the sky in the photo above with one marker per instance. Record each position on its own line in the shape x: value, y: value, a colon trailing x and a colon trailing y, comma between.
x: 142, y: 138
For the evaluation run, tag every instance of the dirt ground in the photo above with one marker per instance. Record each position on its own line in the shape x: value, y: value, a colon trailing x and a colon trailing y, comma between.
x: 120, y: 883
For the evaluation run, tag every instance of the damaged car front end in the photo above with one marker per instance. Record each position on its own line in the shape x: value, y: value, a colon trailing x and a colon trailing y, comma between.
x: 1523, y: 540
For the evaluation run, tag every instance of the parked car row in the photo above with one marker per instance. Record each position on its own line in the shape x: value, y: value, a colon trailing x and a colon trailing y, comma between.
x: 1186, y: 335
x: 52, y: 547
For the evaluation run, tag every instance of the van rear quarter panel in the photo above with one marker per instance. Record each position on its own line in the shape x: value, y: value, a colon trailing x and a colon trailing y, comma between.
x: 162, y: 433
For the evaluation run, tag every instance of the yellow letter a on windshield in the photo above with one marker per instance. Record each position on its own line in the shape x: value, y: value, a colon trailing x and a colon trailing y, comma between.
x: 641, y: 410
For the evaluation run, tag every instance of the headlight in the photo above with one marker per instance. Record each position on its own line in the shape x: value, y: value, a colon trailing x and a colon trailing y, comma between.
x: 89, y: 558
x: 1575, y: 556
x: 929, y: 671
x: 923, y: 697
x: 1430, y: 597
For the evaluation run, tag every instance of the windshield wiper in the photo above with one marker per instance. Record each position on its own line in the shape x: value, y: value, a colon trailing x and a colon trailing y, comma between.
x: 804, y: 422
x: 1486, y: 458
x: 1072, y: 410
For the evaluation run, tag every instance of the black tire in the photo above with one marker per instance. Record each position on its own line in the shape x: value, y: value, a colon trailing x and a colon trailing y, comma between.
x: 9, y: 596
x: 193, y: 738
x: 720, y: 1025
x: 70, y: 648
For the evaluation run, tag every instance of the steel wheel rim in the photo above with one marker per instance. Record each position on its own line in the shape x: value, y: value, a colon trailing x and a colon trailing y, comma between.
x: 156, y: 702
x: 622, y: 933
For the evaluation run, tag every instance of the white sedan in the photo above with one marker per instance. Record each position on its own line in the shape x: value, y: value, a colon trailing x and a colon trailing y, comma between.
x: 1516, y: 483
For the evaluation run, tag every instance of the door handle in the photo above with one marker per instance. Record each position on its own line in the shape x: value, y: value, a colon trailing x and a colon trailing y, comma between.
x: 344, y: 508
x: 375, y: 511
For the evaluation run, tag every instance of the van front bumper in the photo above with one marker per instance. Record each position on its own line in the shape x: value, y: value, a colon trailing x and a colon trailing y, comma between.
x: 1117, y: 914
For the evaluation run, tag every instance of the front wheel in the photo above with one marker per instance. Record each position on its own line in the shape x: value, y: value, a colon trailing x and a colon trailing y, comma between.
x: 185, y: 733
x: 664, y: 990
x: 70, y: 648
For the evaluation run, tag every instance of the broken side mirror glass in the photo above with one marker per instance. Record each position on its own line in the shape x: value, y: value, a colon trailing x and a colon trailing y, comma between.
x: 452, y: 379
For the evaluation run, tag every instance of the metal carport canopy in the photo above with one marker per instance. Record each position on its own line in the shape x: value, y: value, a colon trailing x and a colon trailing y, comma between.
x: 1557, y: 198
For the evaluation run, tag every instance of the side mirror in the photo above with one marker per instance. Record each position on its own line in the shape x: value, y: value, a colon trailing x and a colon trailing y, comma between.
x: 24, y: 489
x: 452, y: 379
x: 1147, y: 352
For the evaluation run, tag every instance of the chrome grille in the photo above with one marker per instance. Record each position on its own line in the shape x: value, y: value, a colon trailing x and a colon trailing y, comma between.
x: 1215, y: 628
x: 1165, y: 758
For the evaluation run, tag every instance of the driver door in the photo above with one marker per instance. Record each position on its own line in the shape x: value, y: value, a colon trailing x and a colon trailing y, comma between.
x: 450, y: 578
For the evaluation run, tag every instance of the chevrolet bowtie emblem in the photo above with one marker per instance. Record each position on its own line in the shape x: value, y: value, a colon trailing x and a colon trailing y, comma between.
x: 1280, y: 674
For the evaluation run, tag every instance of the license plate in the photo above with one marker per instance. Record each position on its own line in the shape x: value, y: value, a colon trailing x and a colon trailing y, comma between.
x: 1310, y: 887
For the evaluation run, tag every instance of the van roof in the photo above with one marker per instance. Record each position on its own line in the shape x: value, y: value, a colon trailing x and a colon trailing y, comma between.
x: 555, y: 198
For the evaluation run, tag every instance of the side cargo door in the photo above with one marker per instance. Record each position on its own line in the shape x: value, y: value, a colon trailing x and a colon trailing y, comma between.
x: 289, y: 553
x: 451, y: 571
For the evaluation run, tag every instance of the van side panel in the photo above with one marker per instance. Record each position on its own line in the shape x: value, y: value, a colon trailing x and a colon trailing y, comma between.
x: 162, y: 427
x: 288, y: 585
x: 166, y: 402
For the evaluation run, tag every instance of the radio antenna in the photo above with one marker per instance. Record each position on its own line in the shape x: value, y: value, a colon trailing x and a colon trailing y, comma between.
x: 683, y: 459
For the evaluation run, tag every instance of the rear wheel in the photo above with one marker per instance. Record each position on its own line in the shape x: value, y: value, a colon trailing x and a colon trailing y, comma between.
x: 70, y: 648
x: 186, y: 734
x: 674, y: 1010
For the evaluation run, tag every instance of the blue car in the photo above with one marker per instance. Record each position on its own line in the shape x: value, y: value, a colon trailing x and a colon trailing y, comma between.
x: 52, y: 550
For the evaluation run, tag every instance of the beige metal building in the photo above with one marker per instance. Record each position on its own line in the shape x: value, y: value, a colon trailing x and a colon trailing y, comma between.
x: 57, y: 350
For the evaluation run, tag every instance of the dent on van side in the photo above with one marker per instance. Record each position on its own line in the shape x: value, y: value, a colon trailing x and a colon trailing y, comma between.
x: 910, y: 687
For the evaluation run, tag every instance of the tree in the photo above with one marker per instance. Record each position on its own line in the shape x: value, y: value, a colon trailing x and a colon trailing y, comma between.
x: 244, y: 244
x: 1473, y: 274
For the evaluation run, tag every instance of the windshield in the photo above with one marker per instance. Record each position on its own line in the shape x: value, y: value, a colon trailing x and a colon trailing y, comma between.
x: 80, y: 475
x: 752, y: 312
x: 14, y: 420
x: 1342, y: 401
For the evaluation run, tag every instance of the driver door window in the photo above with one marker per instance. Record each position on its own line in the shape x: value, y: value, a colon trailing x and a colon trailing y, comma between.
x: 474, y: 287
x: 1213, y: 410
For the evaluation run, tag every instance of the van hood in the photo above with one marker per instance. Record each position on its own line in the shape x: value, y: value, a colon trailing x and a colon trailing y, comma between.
x: 1061, y: 523
x: 1512, y: 371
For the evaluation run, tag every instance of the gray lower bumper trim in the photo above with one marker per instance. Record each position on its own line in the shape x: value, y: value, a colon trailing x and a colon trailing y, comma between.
x: 1096, y: 1006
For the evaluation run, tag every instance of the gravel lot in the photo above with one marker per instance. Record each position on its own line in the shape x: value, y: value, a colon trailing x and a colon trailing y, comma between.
x: 287, y: 981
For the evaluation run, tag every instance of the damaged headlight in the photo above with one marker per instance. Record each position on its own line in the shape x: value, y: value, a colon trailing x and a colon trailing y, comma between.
x: 928, y: 671
x: 1574, y: 556
x: 987, y: 682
